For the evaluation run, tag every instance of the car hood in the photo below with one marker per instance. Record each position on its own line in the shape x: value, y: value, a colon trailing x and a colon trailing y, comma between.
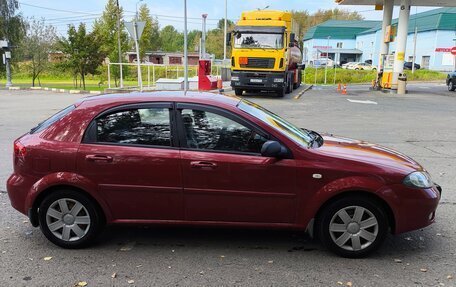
x: 368, y: 153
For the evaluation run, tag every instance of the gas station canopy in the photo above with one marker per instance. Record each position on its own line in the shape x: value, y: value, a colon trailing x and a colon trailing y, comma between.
x: 434, y: 3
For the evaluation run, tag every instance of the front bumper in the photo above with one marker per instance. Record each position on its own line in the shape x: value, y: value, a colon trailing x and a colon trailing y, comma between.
x: 414, y: 208
x: 250, y: 80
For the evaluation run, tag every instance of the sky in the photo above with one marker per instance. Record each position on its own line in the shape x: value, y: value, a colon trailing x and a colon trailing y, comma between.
x: 61, y: 13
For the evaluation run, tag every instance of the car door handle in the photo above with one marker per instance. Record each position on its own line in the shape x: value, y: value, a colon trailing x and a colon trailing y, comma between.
x: 203, y: 164
x: 94, y: 157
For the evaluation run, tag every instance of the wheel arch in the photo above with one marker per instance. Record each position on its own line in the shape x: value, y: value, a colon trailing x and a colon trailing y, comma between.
x: 33, y: 210
x: 361, y: 193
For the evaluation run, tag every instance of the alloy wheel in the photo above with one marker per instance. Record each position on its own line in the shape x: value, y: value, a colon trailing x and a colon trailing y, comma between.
x: 68, y: 219
x: 353, y: 228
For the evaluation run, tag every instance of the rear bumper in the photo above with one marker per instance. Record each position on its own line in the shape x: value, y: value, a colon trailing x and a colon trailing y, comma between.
x: 18, y: 187
x: 414, y: 208
x: 257, y: 80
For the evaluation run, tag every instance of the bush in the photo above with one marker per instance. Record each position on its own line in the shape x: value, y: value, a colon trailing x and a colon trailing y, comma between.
x: 357, y: 76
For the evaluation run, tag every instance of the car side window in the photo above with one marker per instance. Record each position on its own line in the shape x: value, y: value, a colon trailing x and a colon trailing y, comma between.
x: 210, y: 131
x: 149, y: 126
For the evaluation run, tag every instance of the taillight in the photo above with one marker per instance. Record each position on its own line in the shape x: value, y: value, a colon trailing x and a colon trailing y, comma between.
x: 19, y: 149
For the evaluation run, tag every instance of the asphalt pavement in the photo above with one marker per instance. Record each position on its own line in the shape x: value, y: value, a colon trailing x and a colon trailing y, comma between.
x: 421, y: 124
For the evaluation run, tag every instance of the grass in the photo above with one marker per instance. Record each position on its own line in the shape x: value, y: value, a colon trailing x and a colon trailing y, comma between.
x: 99, y: 82
x: 361, y: 77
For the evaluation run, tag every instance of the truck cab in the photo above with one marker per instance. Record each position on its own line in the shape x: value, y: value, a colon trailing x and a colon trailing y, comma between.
x: 265, y: 53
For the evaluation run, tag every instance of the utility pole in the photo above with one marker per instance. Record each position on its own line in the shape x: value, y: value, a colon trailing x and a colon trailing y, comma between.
x: 185, y: 49
x: 119, y: 47
x: 203, y: 38
x: 414, y: 49
x: 138, y: 60
x: 224, y: 34
x: 327, y: 60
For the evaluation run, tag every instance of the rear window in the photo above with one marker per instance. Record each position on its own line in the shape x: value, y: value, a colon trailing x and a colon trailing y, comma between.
x: 45, y: 124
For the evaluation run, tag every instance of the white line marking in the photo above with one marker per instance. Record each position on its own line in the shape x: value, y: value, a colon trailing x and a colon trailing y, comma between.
x: 362, y: 102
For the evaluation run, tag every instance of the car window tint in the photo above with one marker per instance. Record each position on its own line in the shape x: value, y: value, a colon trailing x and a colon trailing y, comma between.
x: 210, y: 131
x: 136, y: 126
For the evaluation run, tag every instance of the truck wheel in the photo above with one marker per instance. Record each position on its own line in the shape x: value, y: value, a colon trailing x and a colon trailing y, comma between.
x: 298, y: 84
x: 451, y: 86
x: 238, y: 92
x: 281, y: 92
x: 289, y: 84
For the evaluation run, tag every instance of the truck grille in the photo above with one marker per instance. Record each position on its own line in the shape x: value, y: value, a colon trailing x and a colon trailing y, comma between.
x: 265, y: 63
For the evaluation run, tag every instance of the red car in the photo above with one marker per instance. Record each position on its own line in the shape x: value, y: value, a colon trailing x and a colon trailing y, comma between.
x: 212, y: 160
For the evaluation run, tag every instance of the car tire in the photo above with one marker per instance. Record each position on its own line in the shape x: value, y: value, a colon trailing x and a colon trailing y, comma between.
x: 70, y: 219
x: 238, y: 92
x: 451, y: 86
x: 340, y: 226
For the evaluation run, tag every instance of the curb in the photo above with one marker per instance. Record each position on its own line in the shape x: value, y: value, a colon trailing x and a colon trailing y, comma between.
x: 298, y: 96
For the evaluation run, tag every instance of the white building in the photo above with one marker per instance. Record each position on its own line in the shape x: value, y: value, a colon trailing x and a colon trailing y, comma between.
x: 351, y: 41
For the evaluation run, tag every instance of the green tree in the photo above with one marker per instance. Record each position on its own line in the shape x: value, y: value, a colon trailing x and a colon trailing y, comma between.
x: 83, y: 52
x: 37, y: 44
x: 193, y: 38
x: 171, y: 40
x: 150, y: 38
x: 215, y: 39
x: 12, y: 27
x: 105, y: 30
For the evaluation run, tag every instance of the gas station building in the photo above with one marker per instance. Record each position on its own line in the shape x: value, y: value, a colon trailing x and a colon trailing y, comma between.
x: 360, y: 41
x: 392, y: 64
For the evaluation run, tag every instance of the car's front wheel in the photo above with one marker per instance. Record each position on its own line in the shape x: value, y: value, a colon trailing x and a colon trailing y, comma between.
x: 451, y: 86
x: 353, y: 226
x: 69, y: 219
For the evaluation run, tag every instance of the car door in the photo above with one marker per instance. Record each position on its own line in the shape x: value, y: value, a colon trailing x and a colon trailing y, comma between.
x: 129, y: 152
x: 225, y: 177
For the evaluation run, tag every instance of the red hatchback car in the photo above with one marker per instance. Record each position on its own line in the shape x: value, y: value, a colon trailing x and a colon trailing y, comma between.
x: 213, y: 160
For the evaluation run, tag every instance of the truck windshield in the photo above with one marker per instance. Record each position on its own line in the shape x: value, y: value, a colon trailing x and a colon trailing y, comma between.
x: 299, y: 136
x: 258, y: 40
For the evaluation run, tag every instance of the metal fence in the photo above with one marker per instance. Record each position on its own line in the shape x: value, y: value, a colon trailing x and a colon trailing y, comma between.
x: 150, y: 73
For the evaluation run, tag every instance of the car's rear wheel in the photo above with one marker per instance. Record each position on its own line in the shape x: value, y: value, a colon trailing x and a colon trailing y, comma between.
x: 353, y: 226
x: 70, y: 219
x: 451, y: 86
x: 238, y: 92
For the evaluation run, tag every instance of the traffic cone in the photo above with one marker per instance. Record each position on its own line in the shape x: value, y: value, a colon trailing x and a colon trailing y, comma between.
x: 344, y: 91
x: 339, y: 87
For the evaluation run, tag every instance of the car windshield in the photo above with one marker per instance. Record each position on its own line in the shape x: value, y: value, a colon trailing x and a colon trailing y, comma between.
x: 258, y: 40
x: 299, y: 136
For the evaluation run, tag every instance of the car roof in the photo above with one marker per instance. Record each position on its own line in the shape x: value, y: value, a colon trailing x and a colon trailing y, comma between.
x: 160, y: 96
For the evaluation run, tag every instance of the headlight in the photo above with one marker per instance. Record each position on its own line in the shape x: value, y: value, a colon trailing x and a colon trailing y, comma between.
x: 418, y: 179
x: 235, y: 78
x: 278, y: 80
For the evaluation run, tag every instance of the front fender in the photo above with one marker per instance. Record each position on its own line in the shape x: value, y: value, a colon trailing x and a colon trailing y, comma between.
x: 66, y: 179
x: 373, y: 185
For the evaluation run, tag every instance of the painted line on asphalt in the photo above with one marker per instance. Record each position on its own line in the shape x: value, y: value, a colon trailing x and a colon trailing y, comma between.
x: 363, y: 102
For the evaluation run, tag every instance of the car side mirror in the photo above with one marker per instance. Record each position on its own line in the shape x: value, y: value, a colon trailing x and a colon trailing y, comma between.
x: 273, y: 149
x: 228, y: 39
x: 292, y: 40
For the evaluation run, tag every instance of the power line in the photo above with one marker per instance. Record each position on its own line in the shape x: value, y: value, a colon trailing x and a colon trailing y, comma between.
x: 58, y: 10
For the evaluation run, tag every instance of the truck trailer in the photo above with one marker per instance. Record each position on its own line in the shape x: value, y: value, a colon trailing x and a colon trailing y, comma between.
x: 264, y: 53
